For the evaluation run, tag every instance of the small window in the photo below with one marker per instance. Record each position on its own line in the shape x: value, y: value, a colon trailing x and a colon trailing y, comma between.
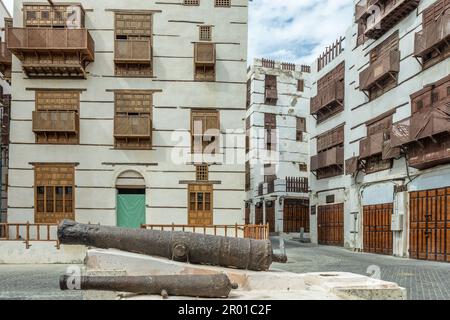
x: 191, y: 2
x: 201, y: 172
x: 419, y: 105
x: 435, y: 97
x: 301, y: 85
x: 330, y: 199
x: 301, y: 128
x: 303, y: 167
x: 205, y: 33
x: 222, y: 3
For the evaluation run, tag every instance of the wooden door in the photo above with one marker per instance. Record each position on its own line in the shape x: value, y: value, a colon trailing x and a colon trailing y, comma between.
x: 259, y: 215
x: 378, y: 237
x: 295, y: 215
x: 200, y: 205
x: 330, y: 225
x: 270, y: 215
x: 430, y: 225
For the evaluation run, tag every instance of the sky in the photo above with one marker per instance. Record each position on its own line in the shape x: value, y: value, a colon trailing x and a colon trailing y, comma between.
x: 292, y: 30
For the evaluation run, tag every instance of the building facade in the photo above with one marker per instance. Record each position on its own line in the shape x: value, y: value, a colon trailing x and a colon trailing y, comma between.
x: 277, y: 144
x: 123, y: 113
x: 380, y: 161
x: 5, y: 104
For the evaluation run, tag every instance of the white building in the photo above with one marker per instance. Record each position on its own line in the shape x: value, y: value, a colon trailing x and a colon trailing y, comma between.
x: 380, y: 158
x: 278, y: 146
x: 106, y: 98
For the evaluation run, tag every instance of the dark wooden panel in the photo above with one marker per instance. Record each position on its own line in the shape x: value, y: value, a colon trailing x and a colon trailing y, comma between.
x: 378, y: 237
x: 295, y: 216
x: 270, y: 216
x: 259, y: 215
x: 330, y: 226
x: 430, y: 225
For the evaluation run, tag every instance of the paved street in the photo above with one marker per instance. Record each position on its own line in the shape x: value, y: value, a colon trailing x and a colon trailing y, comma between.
x: 424, y: 280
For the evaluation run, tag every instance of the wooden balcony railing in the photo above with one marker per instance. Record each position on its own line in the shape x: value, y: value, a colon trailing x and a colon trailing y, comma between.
x: 432, y: 36
x: 133, y: 51
x: 257, y: 232
x: 386, y: 66
x: 126, y: 126
x: 297, y: 185
x: 21, y: 40
x: 383, y: 15
x: 332, y: 94
x: 371, y: 146
x: 29, y: 232
x: 331, y: 157
x: 55, y: 121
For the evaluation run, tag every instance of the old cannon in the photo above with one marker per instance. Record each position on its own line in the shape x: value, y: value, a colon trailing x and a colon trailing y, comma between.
x: 194, y: 248
x: 203, y: 286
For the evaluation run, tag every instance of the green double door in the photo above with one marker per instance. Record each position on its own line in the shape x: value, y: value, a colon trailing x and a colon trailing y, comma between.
x: 130, y: 210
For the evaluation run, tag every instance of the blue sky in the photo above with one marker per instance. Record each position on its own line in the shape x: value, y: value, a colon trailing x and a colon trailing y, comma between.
x: 292, y: 30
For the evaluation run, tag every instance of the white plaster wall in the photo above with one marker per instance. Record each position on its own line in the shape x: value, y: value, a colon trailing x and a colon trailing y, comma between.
x: 175, y: 29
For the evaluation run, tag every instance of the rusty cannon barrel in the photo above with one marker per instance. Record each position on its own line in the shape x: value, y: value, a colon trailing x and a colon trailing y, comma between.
x: 194, y: 248
x: 202, y: 286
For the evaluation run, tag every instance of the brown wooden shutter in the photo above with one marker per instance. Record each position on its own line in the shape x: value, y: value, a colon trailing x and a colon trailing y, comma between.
x: 388, y: 45
x: 435, y: 11
x: 301, y: 85
x: 270, y: 121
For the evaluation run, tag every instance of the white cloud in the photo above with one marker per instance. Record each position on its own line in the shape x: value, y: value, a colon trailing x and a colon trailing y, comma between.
x: 296, y: 30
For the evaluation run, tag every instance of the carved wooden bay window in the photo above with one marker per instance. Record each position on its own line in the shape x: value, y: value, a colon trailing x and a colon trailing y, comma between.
x: 205, y: 61
x: 54, y: 186
x: 375, y: 151
x: 5, y: 54
x: 133, y: 55
x: 432, y: 44
x: 205, y: 131
x: 133, y: 119
x: 330, y: 94
x: 53, y: 42
x: 379, y: 16
x: 424, y: 136
x: 382, y: 73
x: 56, y: 118
x: 270, y: 90
x: 329, y: 161
x: 200, y: 211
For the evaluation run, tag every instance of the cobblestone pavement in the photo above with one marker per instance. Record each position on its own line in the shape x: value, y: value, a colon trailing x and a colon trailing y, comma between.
x: 26, y: 282
x: 424, y: 280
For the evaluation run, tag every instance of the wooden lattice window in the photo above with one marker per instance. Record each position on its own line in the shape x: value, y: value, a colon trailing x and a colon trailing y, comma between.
x: 222, y: 3
x: 301, y: 85
x: 202, y: 172
x: 303, y: 167
x: 200, y: 211
x: 301, y: 128
x: 133, y: 44
x: 247, y: 176
x: 56, y: 117
x: 205, y: 33
x: 133, y: 119
x: 57, y: 16
x: 191, y: 2
x: 271, y: 92
x: 205, y: 61
x: 249, y: 93
x: 270, y: 126
x: 205, y: 131
x: 54, y: 192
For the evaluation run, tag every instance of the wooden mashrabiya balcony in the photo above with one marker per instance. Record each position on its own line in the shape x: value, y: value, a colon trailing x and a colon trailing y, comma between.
x: 385, y: 67
x: 52, y: 52
x: 133, y: 127
x: 330, y: 96
x: 55, y: 121
x: 133, y: 51
x: 331, y: 157
x: 434, y: 35
x: 382, y: 15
